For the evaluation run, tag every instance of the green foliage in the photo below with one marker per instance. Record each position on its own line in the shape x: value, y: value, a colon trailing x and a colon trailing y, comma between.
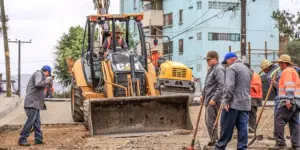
x: 293, y: 49
x: 288, y: 23
x: 69, y: 46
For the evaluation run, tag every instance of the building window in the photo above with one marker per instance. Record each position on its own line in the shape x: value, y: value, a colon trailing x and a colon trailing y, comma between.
x: 199, y: 36
x: 223, y: 36
x: 221, y: 5
x: 166, y: 46
x: 122, y: 6
x: 180, y: 46
x: 168, y: 19
x: 180, y: 16
x: 199, y: 4
x: 134, y: 4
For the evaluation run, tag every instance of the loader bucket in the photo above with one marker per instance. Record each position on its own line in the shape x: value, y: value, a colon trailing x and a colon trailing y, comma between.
x: 121, y: 115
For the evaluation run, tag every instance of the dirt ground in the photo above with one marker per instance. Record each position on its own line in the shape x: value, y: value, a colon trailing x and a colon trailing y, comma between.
x: 76, y: 137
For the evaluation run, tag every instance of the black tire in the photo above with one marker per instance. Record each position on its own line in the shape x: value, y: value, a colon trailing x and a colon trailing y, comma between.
x: 77, y: 104
x: 86, y: 114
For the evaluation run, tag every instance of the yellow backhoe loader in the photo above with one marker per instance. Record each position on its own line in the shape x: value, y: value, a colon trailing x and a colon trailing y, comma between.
x: 116, y: 94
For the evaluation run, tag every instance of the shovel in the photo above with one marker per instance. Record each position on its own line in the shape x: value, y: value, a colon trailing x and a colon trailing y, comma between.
x: 261, y: 112
x: 212, y: 141
x: 196, y: 129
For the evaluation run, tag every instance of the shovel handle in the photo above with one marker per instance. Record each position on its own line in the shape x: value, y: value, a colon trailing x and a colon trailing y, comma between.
x: 197, y: 124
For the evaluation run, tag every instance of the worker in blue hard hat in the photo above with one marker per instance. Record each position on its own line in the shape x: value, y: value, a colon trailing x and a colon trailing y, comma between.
x: 33, y: 103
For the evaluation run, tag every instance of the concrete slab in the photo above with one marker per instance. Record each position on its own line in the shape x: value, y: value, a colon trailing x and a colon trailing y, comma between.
x: 56, y: 113
x: 8, y: 104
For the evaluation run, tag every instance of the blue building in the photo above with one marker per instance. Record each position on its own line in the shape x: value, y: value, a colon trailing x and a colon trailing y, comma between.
x: 194, y: 31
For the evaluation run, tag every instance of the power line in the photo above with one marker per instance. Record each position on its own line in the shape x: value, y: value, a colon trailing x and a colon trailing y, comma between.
x: 32, y: 61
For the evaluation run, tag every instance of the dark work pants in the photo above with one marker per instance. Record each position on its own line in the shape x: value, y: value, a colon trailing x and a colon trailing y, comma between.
x: 229, y: 120
x: 211, y: 113
x: 33, y: 120
x: 252, y: 117
x: 284, y: 116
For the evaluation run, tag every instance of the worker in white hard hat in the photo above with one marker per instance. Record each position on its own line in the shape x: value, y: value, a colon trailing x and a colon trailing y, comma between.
x: 155, y: 55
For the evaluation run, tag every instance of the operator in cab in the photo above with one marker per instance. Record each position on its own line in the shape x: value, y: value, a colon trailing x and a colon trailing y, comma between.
x: 155, y: 55
x: 108, y: 43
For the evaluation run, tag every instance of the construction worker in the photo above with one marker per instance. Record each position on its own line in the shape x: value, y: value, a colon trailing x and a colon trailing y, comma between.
x: 33, y: 103
x: 289, y: 105
x: 236, y: 102
x: 212, y: 93
x: 120, y: 41
x: 256, y: 94
x: 270, y: 70
x: 155, y: 55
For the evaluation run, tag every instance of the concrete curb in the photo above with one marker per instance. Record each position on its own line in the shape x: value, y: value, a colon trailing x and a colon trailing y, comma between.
x: 57, y: 99
x: 9, y: 108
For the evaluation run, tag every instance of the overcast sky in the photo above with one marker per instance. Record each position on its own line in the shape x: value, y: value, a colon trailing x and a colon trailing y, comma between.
x: 45, y: 21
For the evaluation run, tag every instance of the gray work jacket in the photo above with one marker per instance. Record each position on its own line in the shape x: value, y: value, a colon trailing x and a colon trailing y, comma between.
x: 35, y: 91
x: 237, y: 86
x: 214, y: 84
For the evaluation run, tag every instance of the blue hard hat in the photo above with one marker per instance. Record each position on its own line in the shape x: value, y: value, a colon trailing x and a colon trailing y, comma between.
x: 47, y: 68
x: 228, y: 56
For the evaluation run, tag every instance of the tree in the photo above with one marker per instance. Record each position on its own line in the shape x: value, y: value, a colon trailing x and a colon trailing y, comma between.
x: 293, y: 49
x: 69, y: 45
x: 287, y: 23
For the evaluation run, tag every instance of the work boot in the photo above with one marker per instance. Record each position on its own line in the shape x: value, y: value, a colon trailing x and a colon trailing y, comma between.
x: 293, y: 148
x: 24, y: 144
x: 38, y: 142
x: 278, y: 147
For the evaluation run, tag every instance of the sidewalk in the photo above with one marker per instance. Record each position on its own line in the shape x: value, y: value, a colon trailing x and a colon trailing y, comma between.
x: 8, y: 104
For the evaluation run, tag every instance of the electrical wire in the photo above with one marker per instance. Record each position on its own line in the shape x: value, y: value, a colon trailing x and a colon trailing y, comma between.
x: 31, y: 61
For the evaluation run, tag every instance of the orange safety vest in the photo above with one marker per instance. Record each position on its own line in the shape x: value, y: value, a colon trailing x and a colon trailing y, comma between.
x: 154, y: 59
x: 256, y: 86
x: 120, y: 42
x: 289, y: 85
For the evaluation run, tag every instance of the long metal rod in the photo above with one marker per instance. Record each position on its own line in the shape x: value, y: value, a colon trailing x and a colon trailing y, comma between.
x: 114, y: 35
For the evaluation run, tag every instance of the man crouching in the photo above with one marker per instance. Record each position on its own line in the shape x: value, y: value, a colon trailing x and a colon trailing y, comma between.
x: 34, y: 102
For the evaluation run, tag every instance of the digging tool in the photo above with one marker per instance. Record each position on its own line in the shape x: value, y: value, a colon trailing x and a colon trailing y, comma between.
x: 212, y: 141
x: 262, y: 110
x: 196, y: 129
x: 260, y: 137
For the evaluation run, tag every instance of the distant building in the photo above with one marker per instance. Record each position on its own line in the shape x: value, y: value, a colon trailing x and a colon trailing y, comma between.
x: 173, y: 17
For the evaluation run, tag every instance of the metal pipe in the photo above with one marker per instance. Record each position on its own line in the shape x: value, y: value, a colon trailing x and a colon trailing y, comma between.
x: 127, y: 33
x: 114, y: 35
x: 132, y: 71
x: 91, y: 52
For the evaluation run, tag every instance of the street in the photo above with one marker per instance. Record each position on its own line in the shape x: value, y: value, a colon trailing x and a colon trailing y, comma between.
x: 60, y: 132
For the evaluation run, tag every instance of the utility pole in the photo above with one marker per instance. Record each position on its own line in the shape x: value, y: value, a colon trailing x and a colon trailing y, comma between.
x: 243, y: 29
x: 6, y: 49
x: 19, y: 62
